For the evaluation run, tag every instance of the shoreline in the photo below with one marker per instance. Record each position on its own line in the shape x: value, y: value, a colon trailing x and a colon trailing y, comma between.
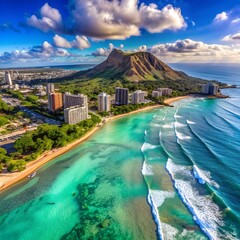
x: 9, y: 179
x: 170, y: 101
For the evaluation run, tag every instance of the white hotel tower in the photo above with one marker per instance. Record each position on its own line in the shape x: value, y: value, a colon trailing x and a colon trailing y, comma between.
x: 8, y: 79
x: 104, y: 102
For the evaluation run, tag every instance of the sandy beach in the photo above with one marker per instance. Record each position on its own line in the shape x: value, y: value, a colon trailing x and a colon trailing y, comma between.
x: 9, y: 179
x: 170, y: 101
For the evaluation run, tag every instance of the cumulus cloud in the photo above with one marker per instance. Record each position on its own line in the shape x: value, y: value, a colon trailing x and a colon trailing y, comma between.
x: 104, y: 52
x: 236, y: 20
x: 155, y: 20
x: 232, y: 37
x: 80, y: 42
x: 50, y: 20
x: 221, y: 17
x: 61, y: 42
x: 45, y: 51
x: 188, y: 50
x: 104, y: 19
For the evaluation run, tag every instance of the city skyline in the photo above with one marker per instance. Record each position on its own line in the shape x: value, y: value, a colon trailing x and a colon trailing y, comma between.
x: 40, y: 33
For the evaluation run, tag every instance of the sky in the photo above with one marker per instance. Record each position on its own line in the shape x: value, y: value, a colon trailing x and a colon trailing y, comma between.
x: 54, y: 32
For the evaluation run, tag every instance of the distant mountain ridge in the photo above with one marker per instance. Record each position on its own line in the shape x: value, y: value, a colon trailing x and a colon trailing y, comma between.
x: 137, y: 66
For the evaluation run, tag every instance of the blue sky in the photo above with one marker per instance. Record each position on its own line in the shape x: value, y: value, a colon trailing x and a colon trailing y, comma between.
x: 40, y: 32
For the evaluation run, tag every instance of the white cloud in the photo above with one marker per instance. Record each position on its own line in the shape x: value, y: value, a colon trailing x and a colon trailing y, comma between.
x: 142, y: 48
x: 232, y: 37
x: 80, y: 42
x: 104, y: 52
x: 104, y: 19
x: 61, y: 42
x: 51, y: 19
x: 194, y: 51
x: 155, y: 20
x: 236, y: 20
x: 221, y: 17
x: 46, y: 51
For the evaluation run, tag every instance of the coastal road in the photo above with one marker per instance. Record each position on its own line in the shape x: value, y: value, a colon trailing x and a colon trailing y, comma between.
x: 15, y: 135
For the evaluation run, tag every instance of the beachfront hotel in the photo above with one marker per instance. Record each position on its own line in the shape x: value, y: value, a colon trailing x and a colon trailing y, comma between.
x: 75, y: 114
x: 71, y: 100
x: 121, y: 96
x: 161, y: 92
x: 210, y: 89
x: 55, y: 101
x: 7, y: 78
x: 165, y: 91
x: 104, y: 102
x: 138, y: 97
x: 75, y: 108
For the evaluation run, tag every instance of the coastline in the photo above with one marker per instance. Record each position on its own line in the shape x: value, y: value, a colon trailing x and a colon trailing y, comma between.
x: 9, y: 179
x: 170, y: 101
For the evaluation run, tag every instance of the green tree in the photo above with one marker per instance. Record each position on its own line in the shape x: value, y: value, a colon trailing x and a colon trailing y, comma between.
x: 24, y: 144
x: 3, y: 121
x: 16, y: 165
x: 32, y: 99
x: 3, y: 151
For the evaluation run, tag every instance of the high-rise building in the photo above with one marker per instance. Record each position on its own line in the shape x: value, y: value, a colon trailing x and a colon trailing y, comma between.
x: 7, y: 78
x: 75, y: 114
x: 71, y: 100
x: 104, y: 102
x: 205, y: 88
x: 162, y: 92
x: 121, y: 96
x: 138, y: 97
x: 55, y: 101
x: 50, y: 88
x: 210, y: 88
x: 165, y: 91
x: 156, y: 94
x: 213, y: 89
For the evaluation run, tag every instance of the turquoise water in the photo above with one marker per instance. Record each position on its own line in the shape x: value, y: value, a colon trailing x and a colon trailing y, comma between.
x: 168, y: 173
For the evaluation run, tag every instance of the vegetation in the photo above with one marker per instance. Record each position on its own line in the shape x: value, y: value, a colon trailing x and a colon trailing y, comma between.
x: 16, y: 94
x: 7, y: 113
x: 14, y: 166
x: 104, y: 114
x: 5, y: 108
x: 3, y: 121
x: 5, y: 160
x: 32, y: 99
x: 129, y: 108
x: 46, y: 137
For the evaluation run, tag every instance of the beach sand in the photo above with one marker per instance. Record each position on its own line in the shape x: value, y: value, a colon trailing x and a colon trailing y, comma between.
x: 170, y: 101
x: 9, y: 179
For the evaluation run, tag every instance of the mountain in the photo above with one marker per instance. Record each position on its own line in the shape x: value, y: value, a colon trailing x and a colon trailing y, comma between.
x: 134, y: 67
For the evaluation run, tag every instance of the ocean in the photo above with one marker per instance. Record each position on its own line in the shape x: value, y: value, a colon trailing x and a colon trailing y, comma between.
x: 167, y: 173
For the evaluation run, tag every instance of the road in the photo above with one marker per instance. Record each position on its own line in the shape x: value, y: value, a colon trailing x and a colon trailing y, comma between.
x: 16, y: 134
x: 38, y: 117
